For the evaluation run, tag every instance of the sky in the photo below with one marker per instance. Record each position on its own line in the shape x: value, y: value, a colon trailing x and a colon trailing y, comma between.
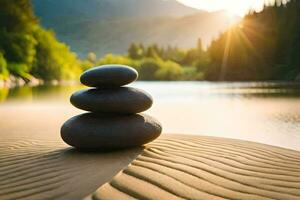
x: 236, y: 7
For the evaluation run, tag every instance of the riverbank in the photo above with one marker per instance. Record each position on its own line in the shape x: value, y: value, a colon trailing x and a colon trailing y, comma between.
x: 14, y: 81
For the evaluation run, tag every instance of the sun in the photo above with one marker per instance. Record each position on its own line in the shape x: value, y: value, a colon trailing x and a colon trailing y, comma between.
x: 235, y: 7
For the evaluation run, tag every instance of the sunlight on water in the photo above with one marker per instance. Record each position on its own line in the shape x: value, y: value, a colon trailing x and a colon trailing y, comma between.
x: 262, y: 112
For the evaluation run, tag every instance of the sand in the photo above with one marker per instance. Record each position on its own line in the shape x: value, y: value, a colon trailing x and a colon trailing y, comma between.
x: 35, y: 164
x: 172, y: 167
x: 199, y: 167
x: 32, y: 169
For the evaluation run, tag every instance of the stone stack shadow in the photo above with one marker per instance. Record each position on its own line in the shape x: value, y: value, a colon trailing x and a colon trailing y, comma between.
x: 112, y: 121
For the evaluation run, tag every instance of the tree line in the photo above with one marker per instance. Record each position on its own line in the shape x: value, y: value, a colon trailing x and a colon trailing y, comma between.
x: 158, y: 63
x: 263, y: 46
x: 27, y: 49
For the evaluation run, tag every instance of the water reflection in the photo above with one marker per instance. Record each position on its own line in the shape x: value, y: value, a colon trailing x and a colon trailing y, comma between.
x: 163, y: 90
x: 39, y: 93
x: 262, y: 112
x: 3, y: 94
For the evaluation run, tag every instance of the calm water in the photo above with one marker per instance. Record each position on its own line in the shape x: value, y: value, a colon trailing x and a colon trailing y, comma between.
x: 261, y: 112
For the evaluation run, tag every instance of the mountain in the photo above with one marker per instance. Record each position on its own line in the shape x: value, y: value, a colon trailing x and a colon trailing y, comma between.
x: 53, y: 11
x: 109, y: 26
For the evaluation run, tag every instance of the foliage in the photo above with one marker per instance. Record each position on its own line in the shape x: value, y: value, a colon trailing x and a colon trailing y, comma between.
x: 192, y: 74
x: 29, y: 49
x: 148, y: 68
x: 16, y: 25
x: 159, y: 63
x: 3, y: 67
x: 265, y: 46
x: 54, y: 59
x: 118, y: 59
x: 136, y: 51
x: 168, y: 71
x: 20, y: 69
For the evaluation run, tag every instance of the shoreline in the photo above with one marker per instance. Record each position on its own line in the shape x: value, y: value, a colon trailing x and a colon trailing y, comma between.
x: 15, y: 82
x: 171, y: 167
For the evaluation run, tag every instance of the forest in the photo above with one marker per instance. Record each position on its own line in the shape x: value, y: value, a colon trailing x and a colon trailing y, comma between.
x: 28, y: 50
x: 262, y: 46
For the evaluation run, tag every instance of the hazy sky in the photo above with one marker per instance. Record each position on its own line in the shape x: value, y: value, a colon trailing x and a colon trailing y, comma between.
x: 238, y: 7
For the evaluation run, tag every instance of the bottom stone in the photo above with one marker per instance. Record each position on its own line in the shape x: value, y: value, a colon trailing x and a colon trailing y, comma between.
x: 96, y: 131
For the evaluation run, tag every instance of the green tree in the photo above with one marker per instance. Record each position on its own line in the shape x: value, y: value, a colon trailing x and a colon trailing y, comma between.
x: 20, y: 69
x: 17, y: 22
x: 148, y: 68
x: 135, y: 51
x: 203, y: 62
x: 3, y: 67
x: 264, y: 46
x: 54, y: 60
x: 152, y: 52
x: 30, y: 49
x: 169, y: 71
x: 117, y: 59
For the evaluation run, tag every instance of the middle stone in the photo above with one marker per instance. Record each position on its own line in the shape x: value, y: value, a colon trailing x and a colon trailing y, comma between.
x: 123, y: 100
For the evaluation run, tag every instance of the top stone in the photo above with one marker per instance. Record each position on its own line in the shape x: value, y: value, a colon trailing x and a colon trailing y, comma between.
x: 109, y: 76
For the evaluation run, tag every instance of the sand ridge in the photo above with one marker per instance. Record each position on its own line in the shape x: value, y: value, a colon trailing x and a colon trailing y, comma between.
x: 172, y: 167
x: 44, y: 169
x: 199, y: 167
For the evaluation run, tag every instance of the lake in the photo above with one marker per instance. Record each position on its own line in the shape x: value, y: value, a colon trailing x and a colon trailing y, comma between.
x: 262, y: 112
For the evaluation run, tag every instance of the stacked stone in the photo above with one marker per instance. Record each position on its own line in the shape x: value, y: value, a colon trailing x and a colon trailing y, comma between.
x: 112, y: 121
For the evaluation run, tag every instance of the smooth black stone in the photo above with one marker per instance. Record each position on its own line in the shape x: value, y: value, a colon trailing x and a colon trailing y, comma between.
x: 109, y: 76
x: 123, y: 100
x: 94, y: 131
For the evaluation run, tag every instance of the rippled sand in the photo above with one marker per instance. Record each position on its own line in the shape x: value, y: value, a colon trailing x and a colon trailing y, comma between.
x: 172, y: 167
x: 35, y: 169
x: 196, y: 167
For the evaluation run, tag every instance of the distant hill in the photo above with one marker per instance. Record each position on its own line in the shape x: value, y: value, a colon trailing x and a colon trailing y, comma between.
x: 73, y: 10
x: 109, y: 26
